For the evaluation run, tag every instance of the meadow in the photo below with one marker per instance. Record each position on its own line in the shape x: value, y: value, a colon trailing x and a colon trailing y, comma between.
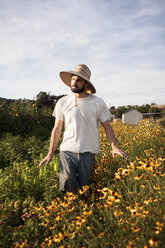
x: 124, y: 206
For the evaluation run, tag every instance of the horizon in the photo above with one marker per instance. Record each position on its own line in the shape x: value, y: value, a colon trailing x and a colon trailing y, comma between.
x: 154, y: 104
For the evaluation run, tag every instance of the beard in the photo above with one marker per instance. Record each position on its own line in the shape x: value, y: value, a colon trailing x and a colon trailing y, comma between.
x: 78, y: 90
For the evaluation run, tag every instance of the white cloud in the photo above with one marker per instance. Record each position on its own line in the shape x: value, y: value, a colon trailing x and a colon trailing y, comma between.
x: 121, y: 41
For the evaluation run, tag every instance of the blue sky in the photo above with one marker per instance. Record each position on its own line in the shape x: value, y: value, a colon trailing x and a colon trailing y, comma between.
x: 121, y: 41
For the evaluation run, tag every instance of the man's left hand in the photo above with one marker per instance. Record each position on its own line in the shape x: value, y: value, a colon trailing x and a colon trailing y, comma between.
x: 117, y: 150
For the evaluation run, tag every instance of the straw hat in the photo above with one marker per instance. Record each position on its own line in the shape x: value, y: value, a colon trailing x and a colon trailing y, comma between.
x: 81, y: 71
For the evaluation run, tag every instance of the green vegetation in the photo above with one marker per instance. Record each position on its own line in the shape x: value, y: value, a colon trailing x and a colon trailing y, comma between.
x: 124, y: 207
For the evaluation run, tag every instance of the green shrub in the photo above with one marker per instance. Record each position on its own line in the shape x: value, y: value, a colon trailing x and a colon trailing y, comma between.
x: 18, y: 149
x: 24, y: 118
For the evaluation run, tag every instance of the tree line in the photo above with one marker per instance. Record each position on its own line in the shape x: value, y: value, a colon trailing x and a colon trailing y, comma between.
x: 34, y: 117
x: 145, y: 108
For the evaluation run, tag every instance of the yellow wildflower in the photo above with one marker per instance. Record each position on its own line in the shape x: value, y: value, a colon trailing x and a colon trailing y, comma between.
x: 58, y: 237
x: 118, y: 213
x: 138, y: 177
x: 153, y: 242
x: 135, y: 229
x: 100, y: 235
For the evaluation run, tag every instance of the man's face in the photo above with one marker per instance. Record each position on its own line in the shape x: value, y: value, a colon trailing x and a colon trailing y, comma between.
x: 77, y: 84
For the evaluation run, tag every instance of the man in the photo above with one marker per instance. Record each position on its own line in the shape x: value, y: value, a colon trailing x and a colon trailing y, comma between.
x: 80, y: 112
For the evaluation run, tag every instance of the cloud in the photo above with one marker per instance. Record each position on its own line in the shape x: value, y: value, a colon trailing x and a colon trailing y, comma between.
x: 121, y: 41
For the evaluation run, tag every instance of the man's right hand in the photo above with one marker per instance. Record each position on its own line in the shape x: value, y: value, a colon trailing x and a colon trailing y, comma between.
x: 55, y: 136
x: 46, y: 160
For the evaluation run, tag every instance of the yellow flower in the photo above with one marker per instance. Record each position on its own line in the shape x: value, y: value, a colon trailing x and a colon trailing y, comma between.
x: 58, y: 237
x: 138, y: 177
x: 24, y: 244
x: 159, y: 227
x: 84, y: 189
x: 159, y: 223
x: 117, y: 176
x: 135, y: 229
x: 147, y: 201
x: 100, y: 235
x: 133, y: 211
x: 145, y: 213
x: 107, y: 190
x: 118, y: 213
x: 16, y: 245
x: 87, y: 212
x: 111, y: 198
x: 153, y: 242
x: 126, y: 172
x: 130, y: 244
x: 72, y: 235
x: 58, y: 217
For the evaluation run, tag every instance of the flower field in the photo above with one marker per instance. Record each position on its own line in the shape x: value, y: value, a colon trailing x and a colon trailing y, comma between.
x: 124, y: 206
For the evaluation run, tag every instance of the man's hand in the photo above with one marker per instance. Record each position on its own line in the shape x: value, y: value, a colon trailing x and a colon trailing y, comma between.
x: 46, y: 160
x: 55, y: 136
x: 112, y: 140
x: 117, y: 150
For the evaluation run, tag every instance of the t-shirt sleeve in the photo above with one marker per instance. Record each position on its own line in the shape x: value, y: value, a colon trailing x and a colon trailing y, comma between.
x: 104, y: 112
x: 58, y: 111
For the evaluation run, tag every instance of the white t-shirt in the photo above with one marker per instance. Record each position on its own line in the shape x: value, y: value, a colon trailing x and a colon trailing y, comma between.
x: 81, y: 122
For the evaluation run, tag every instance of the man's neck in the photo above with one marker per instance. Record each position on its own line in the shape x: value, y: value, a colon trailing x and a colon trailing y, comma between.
x: 81, y: 95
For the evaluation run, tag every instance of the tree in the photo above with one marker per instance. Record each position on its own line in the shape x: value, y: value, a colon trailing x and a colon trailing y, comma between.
x: 44, y: 99
x: 120, y: 110
x: 112, y: 110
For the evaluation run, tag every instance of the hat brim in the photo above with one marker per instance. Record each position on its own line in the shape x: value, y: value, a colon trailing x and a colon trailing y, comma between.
x: 66, y: 78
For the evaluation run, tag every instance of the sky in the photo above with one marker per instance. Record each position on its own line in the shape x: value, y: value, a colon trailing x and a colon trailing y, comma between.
x: 121, y: 41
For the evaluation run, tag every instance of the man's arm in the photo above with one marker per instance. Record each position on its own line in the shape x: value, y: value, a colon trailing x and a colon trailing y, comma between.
x: 112, y: 140
x: 55, y: 136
